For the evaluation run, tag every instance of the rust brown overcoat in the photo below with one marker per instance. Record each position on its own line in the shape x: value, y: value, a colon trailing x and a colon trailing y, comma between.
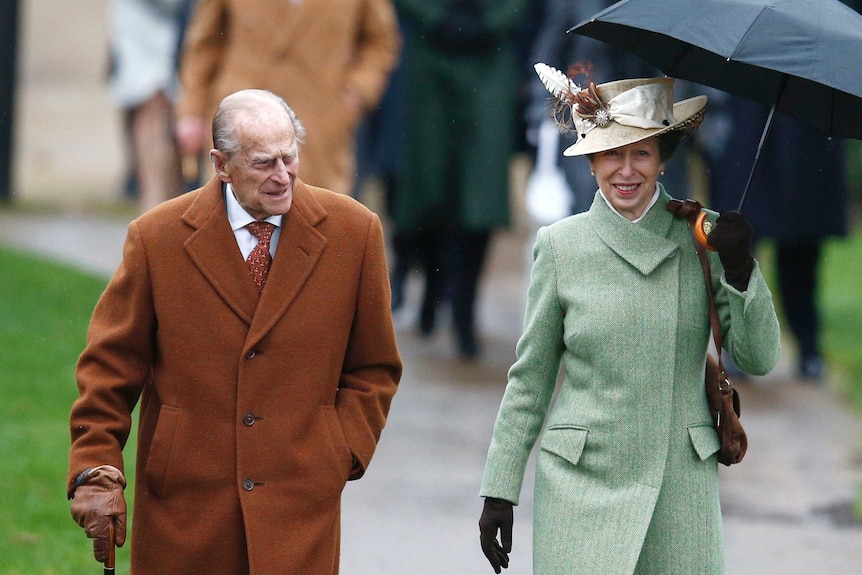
x: 253, y: 414
x: 309, y: 52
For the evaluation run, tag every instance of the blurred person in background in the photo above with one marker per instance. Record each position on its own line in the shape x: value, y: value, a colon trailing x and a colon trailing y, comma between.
x: 462, y: 79
x: 797, y: 199
x: 145, y: 36
x: 331, y: 59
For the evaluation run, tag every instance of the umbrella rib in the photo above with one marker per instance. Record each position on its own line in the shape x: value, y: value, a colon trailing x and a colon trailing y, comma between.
x: 688, y: 49
x: 742, y: 39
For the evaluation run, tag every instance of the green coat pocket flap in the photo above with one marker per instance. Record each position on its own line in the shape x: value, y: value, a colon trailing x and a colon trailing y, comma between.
x: 704, y: 439
x: 566, y: 441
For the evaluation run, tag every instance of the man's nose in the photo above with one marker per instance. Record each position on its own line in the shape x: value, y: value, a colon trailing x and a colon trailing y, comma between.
x: 281, y: 173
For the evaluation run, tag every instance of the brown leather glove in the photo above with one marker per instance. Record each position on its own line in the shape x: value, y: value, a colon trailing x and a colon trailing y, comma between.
x: 497, y: 515
x: 97, y: 504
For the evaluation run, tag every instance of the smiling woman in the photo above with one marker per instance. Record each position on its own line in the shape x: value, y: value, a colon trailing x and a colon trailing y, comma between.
x: 626, y: 475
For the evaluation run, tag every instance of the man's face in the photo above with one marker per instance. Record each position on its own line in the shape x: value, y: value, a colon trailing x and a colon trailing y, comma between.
x: 263, y: 172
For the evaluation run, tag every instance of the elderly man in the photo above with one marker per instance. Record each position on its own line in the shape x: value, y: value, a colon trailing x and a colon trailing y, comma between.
x: 252, y: 319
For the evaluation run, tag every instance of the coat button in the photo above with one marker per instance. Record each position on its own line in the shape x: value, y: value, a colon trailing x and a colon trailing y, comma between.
x: 248, y: 484
x: 249, y: 419
x: 251, y: 353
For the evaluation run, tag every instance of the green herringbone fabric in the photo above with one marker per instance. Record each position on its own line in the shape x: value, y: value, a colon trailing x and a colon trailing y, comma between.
x: 626, y: 471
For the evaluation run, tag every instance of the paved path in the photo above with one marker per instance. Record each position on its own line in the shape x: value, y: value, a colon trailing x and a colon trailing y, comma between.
x: 786, y: 507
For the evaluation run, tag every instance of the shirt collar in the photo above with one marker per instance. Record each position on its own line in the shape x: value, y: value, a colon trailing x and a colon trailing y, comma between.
x: 237, y: 216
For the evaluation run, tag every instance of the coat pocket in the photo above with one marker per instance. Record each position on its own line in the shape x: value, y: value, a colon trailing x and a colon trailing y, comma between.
x: 566, y: 441
x: 704, y: 439
x: 341, y: 454
x: 159, y: 458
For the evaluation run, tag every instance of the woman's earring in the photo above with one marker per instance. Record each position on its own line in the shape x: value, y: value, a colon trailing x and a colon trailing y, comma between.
x: 592, y: 173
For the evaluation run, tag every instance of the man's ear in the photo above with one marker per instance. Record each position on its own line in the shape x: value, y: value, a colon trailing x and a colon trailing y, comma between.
x: 221, y: 162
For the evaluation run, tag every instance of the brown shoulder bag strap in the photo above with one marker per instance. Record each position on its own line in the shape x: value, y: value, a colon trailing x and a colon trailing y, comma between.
x: 690, y: 209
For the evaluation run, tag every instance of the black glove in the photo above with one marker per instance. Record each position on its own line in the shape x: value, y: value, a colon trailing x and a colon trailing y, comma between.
x: 731, y: 238
x: 496, y: 515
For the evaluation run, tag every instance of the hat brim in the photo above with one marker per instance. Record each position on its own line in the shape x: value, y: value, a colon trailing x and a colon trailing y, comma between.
x: 689, y: 114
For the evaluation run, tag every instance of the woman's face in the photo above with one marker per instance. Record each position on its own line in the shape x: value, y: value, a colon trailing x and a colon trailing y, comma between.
x: 627, y: 175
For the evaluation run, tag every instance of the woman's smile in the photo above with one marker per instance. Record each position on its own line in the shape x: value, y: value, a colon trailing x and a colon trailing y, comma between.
x: 626, y: 189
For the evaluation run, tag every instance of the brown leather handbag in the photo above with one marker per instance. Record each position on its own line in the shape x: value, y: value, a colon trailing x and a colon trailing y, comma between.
x: 721, y: 395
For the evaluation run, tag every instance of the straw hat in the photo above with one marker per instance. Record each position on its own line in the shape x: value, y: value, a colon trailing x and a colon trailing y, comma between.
x: 615, y: 114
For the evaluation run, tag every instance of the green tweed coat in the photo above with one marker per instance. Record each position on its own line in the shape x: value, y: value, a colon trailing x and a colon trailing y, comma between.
x: 626, y: 478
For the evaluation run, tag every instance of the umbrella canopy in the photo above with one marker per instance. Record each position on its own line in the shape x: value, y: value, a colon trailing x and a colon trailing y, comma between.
x: 803, y: 58
x: 749, y: 48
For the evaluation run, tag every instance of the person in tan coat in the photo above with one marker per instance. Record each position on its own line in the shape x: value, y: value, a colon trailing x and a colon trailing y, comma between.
x: 331, y: 59
x: 257, y: 404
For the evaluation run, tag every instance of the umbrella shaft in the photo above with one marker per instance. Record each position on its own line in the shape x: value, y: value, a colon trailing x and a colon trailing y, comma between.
x: 763, y: 136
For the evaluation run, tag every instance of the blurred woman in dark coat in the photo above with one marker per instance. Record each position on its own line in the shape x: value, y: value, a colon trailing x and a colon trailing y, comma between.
x: 462, y: 78
x: 798, y: 198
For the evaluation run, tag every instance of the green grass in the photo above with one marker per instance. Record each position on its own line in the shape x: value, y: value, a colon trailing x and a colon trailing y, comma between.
x: 44, y: 312
x: 840, y: 308
x: 841, y: 276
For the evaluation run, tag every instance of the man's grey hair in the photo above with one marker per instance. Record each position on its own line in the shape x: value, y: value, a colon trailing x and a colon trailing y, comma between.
x: 224, y: 127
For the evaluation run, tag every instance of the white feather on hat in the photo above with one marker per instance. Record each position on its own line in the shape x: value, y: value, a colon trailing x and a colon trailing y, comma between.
x: 615, y: 114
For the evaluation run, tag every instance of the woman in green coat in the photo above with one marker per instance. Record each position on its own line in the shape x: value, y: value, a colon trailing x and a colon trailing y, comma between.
x: 626, y: 478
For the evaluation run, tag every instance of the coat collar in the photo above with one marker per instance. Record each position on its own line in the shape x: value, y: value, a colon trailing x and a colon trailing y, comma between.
x: 299, y: 248
x: 212, y: 247
x: 644, y: 244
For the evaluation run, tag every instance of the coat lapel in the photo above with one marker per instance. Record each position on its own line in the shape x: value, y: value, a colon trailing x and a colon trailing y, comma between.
x: 212, y: 247
x: 644, y: 245
x: 299, y: 249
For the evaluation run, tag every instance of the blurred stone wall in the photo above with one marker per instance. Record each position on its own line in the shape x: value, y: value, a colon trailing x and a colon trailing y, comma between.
x: 68, y: 145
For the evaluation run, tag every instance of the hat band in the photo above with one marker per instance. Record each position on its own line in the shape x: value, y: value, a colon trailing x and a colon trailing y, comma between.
x: 643, y: 107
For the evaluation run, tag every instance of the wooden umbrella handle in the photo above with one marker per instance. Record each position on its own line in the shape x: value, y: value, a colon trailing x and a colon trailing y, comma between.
x: 702, y: 227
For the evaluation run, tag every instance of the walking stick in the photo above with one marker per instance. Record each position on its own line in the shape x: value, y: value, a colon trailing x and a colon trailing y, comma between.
x: 112, y: 557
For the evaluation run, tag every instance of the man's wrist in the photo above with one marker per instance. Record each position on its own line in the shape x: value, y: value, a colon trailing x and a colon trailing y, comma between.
x: 109, y: 472
x: 79, y: 480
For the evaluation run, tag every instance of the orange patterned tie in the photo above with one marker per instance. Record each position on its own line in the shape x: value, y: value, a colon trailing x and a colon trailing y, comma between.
x: 259, y: 259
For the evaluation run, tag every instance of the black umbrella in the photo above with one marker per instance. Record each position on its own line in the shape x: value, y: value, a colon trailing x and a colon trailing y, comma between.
x: 802, y: 58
